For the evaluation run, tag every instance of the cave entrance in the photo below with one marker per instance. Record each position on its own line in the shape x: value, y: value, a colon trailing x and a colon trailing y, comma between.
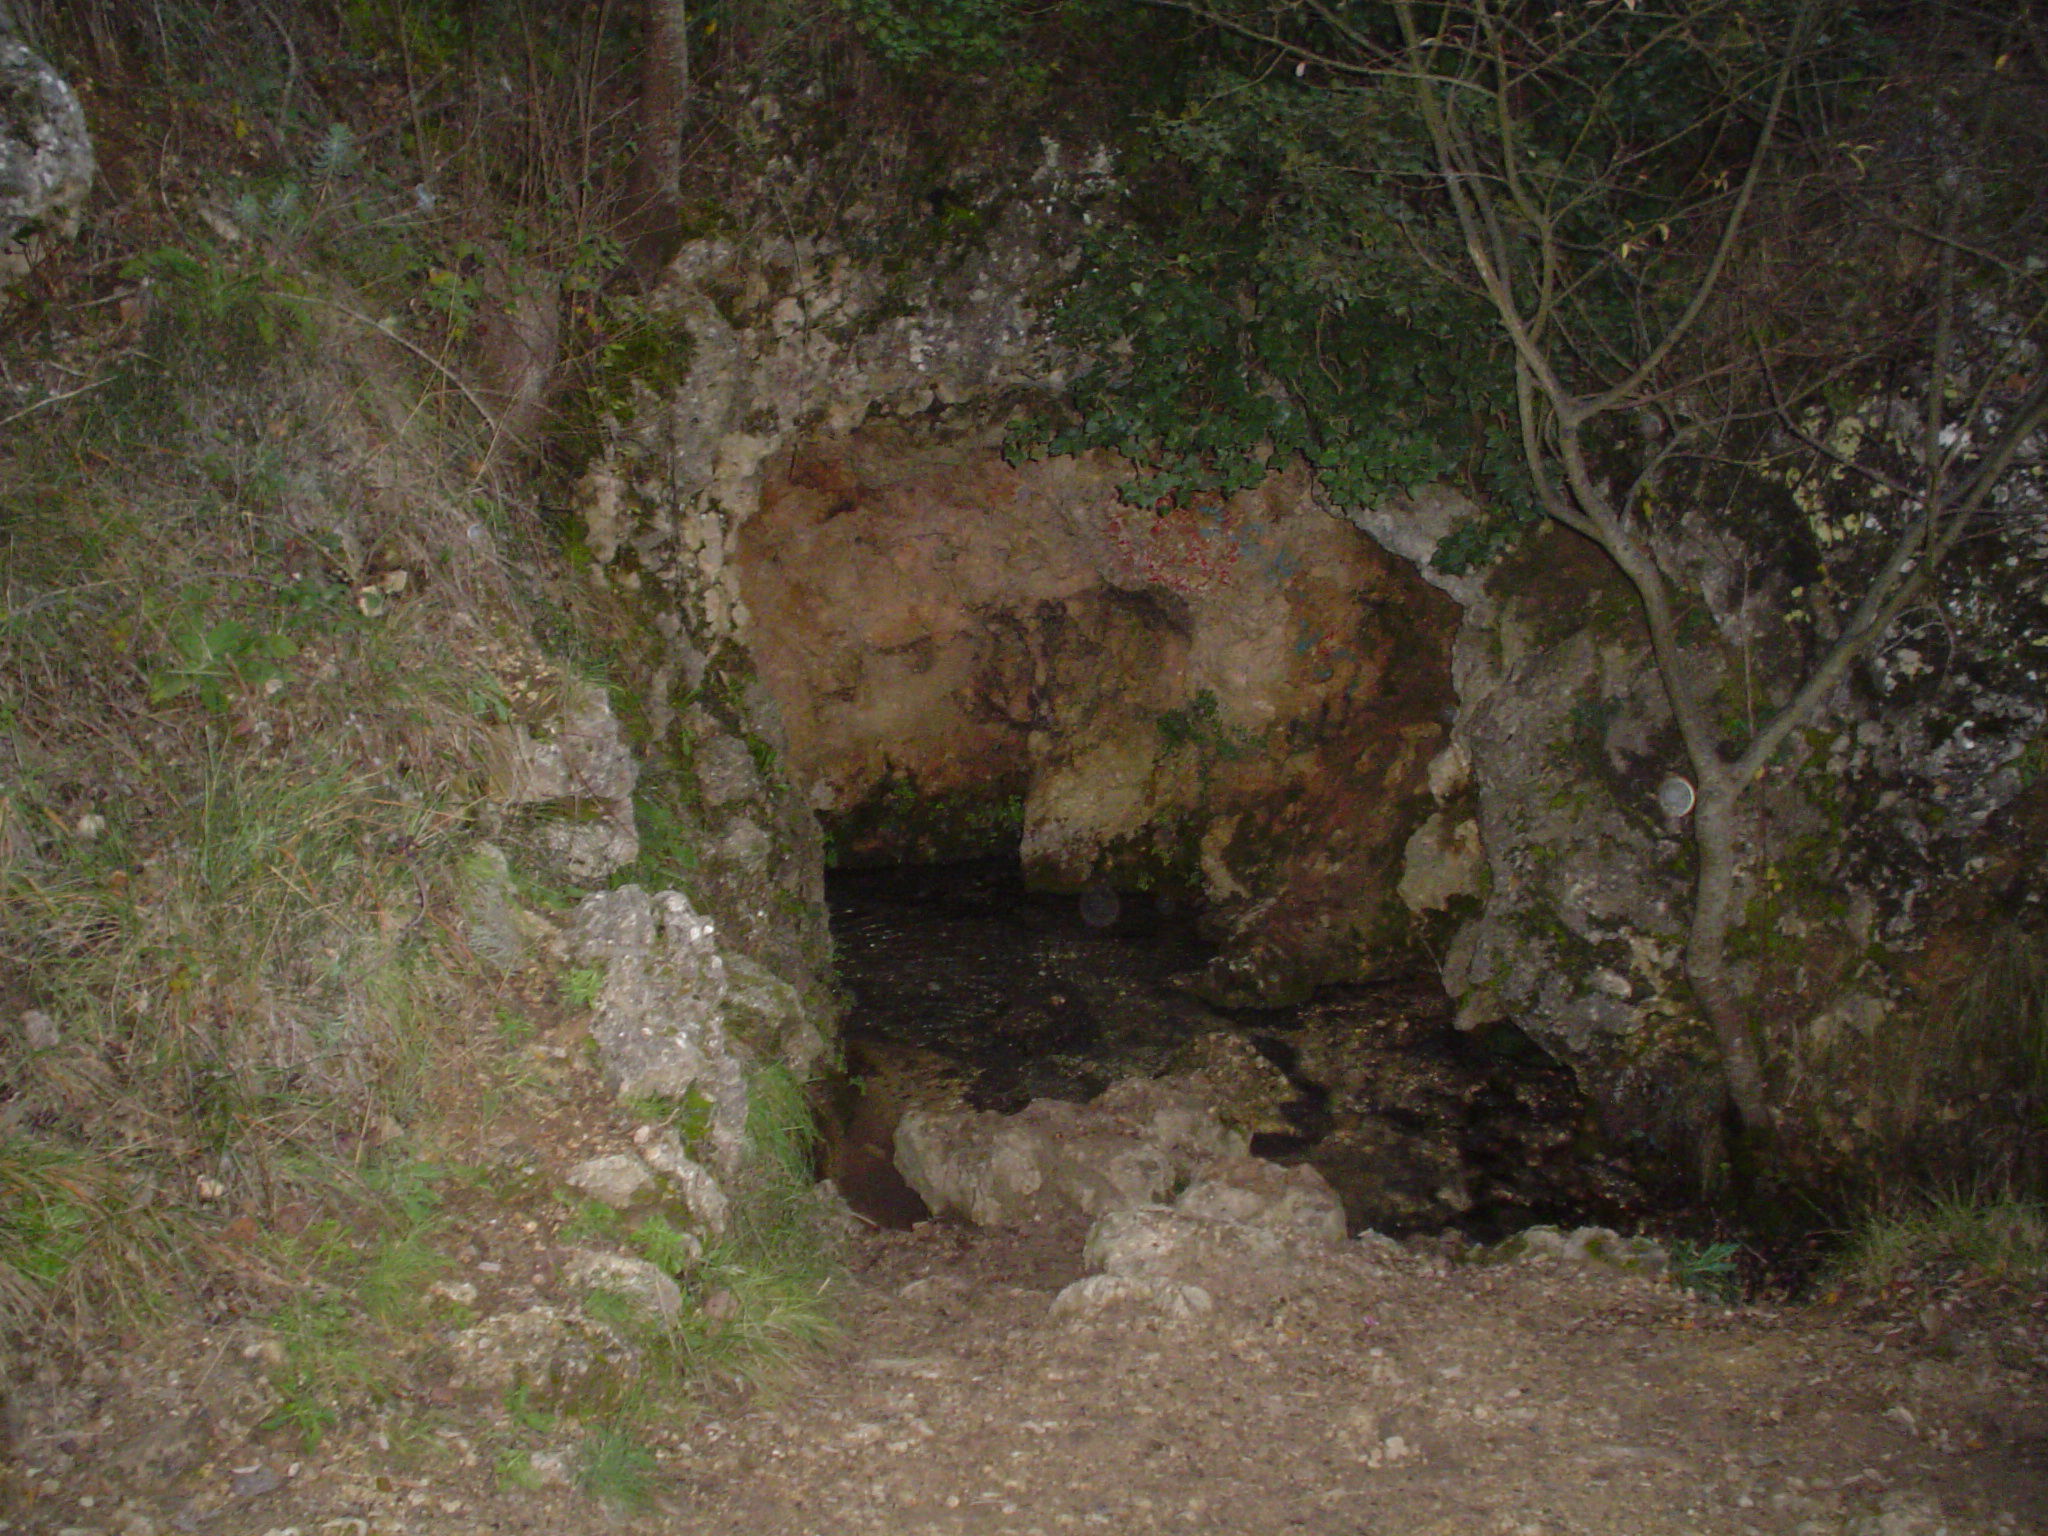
x: 1239, y: 703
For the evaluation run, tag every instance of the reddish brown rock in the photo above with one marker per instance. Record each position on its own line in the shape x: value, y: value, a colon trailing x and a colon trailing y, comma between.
x: 1237, y: 699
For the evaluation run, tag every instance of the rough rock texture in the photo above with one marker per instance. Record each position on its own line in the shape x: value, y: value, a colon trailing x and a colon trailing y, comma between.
x: 1297, y: 1203
x: 1569, y: 732
x: 617, y: 1179
x: 1850, y: 844
x: 1248, y: 1231
x: 648, y: 1290
x: 571, y: 766
x: 657, y: 1020
x: 1233, y: 699
x: 46, y: 159
x: 1239, y: 702
x: 1132, y: 1146
x: 1583, y: 1245
x: 542, y: 1351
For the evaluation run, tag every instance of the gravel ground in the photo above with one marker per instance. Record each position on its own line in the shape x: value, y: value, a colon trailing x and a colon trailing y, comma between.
x: 1375, y: 1392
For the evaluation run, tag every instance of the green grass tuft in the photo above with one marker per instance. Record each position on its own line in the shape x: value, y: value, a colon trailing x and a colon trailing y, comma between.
x: 1998, y: 1235
x: 617, y: 1469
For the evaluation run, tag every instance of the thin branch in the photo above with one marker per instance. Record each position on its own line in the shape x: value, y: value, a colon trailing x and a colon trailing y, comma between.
x: 389, y: 333
x: 49, y: 400
x: 1731, y: 230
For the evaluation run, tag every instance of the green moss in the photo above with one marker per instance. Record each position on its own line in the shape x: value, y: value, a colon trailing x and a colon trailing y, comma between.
x: 1198, y: 725
x: 899, y: 821
x: 644, y: 350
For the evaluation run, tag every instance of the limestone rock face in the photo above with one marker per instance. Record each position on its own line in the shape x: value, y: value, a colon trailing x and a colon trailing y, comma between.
x: 46, y: 159
x: 572, y: 763
x: 1233, y: 700
x: 1239, y: 702
x: 658, y: 1022
x: 1905, y: 787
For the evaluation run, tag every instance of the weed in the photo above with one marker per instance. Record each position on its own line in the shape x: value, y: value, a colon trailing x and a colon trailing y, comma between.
x: 393, y: 1288
x: 515, y: 1470
x: 1997, y: 1234
x: 593, y: 1220
x: 667, y: 1246
x: 77, y: 1225
x: 413, y: 1186
x: 1963, y: 1089
x: 1199, y: 724
x: 689, y: 1116
x: 757, y: 1298
x: 520, y: 1410
x: 515, y: 1029
x: 617, y: 1469
x: 326, y: 1361
x: 581, y: 985
x: 1706, y: 1269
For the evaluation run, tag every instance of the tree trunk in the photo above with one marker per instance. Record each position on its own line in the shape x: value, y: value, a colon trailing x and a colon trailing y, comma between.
x: 652, y: 231
x: 1706, y: 951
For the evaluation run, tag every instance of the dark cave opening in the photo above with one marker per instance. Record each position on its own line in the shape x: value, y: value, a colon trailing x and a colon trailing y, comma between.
x: 968, y: 990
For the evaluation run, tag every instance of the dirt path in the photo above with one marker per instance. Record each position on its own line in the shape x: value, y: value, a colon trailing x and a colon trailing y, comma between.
x: 1373, y: 1392
x: 1396, y: 1397
x: 1367, y: 1391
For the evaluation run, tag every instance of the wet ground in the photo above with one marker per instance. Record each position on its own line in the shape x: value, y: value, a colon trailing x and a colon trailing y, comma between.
x: 967, y: 989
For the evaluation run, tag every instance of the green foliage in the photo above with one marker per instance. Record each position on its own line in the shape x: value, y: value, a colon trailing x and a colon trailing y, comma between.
x: 211, y: 657
x: 212, y: 305
x: 1706, y: 1269
x: 413, y: 1186
x: 756, y: 1299
x: 1959, y: 1090
x: 1932, y: 1236
x: 78, y: 1226
x: 325, y: 1360
x: 689, y: 1116
x: 908, y: 824
x: 642, y: 356
x: 1260, y: 296
x: 666, y: 1246
x: 957, y: 35
x: 1199, y: 724
x: 616, y: 1469
x: 668, y: 833
x: 581, y: 985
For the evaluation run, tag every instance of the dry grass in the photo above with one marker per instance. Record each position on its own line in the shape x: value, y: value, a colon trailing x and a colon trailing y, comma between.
x: 1960, y: 1094
x: 1994, y: 1236
x: 246, y: 680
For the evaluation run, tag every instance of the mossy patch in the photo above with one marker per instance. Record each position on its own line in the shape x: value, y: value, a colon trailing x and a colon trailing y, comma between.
x: 900, y: 822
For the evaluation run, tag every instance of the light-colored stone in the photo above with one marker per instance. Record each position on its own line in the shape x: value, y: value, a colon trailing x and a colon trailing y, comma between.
x: 617, y: 1179
x: 539, y: 1350
x: 657, y: 1019
x: 726, y: 772
x: 1443, y: 861
x: 46, y: 158
x: 1296, y: 1202
x: 1095, y: 1294
x: 654, y: 1295
x: 1130, y: 1147
x: 501, y: 932
x: 664, y: 1153
x: 1600, y: 1246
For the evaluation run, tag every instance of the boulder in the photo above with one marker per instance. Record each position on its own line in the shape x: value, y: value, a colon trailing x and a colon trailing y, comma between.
x: 1134, y: 1145
x: 46, y: 159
